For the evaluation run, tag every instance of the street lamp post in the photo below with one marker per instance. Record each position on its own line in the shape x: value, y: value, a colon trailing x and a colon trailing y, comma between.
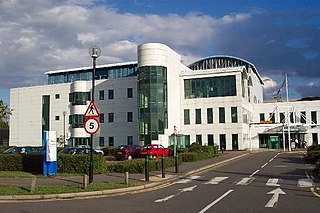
x: 94, y: 52
x: 64, y: 128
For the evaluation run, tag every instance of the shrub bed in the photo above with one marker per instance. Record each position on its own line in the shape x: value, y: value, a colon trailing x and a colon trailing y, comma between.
x: 313, y: 156
x: 318, y: 167
x: 313, y: 147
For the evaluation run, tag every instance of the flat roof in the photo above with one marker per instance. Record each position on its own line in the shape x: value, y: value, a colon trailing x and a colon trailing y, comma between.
x: 88, y: 68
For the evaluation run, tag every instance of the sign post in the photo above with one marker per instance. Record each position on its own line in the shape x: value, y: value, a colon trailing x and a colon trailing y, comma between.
x: 91, y: 126
x: 50, y: 153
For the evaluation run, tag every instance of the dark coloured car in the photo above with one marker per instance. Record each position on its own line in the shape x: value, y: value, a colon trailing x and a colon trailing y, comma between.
x: 123, y: 152
x: 24, y: 150
x: 79, y: 150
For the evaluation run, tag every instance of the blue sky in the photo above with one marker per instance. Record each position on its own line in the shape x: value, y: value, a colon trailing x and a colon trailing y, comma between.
x: 277, y: 36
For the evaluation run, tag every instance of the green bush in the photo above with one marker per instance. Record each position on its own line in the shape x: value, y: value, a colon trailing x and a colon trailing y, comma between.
x: 313, y: 147
x: 80, y: 164
x: 109, y: 151
x: 11, y: 162
x: 318, y: 167
x: 313, y: 156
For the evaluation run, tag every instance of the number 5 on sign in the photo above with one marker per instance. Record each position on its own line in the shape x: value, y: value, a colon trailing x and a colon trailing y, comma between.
x: 91, y: 126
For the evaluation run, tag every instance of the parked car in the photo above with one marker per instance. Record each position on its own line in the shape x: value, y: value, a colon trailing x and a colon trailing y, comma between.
x: 154, y: 151
x: 24, y: 150
x: 79, y: 150
x: 123, y: 152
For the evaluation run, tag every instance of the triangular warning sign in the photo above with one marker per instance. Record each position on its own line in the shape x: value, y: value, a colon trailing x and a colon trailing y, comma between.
x: 92, y: 111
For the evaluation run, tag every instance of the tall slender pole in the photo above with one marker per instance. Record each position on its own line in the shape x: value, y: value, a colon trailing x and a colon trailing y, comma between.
x: 64, y: 128
x: 288, y: 114
x: 91, y: 136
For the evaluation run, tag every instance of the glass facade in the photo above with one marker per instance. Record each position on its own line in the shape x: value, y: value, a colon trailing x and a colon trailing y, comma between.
x: 120, y: 71
x: 153, y: 95
x: 76, y: 121
x: 79, y: 98
x: 210, y: 87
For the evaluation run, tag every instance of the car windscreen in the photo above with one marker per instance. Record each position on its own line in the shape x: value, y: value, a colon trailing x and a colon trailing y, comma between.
x: 147, y: 148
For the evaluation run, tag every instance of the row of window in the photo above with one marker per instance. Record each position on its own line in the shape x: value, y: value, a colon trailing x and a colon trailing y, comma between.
x: 111, y: 94
x: 294, y: 118
x: 102, y: 141
x: 77, y: 121
x: 210, y: 141
x: 222, y: 116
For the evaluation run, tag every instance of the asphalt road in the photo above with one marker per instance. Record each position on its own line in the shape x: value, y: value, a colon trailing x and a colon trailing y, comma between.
x: 262, y: 182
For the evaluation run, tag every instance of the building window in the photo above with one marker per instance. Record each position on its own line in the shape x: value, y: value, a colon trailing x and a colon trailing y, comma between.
x: 129, y: 140
x: 110, y: 117
x: 272, y: 118
x: 314, y: 138
x: 234, y: 115
x: 235, y: 142
x: 292, y: 116
x: 209, y: 115
x: 187, y: 140
x: 313, y: 117
x: 57, y: 96
x: 186, y: 115
x: 101, y: 95
x: 129, y: 93
x: 282, y: 117
x: 210, y: 140
x: 222, y: 118
x: 79, y: 98
x: 76, y: 121
x: 303, y: 117
x: 101, y: 118
x: 57, y: 117
x: 111, y: 141
x: 210, y: 87
x: 129, y: 116
x: 198, y: 116
x: 110, y: 94
x: 262, y: 117
x: 199, y: 139
x: 223, y: 141
x: 101, y: 141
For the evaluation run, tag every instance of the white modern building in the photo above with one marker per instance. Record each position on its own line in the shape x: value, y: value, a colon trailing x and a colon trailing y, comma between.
x: 216, y: 100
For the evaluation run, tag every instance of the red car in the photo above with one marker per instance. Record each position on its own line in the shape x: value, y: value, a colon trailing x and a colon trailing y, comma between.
x: 154, y: 151
x: 127, y: 152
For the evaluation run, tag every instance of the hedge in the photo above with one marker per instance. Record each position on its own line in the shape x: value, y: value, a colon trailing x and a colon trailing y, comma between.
x: 318, y: 167
x: 313, y: 156
x: 313, y: 147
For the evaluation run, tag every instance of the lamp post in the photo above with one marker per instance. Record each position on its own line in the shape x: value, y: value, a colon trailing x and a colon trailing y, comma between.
x: 94, y: 52
x: 64, y: 113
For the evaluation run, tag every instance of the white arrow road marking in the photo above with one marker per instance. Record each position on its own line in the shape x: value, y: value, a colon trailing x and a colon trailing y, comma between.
x: 189, y: 189
x: 305, y: 183
x: 215, y: 201
x: 275, y: 197
x: 188, y: 179
x: 216, y: 180
x: 272, y: 182
x: 245, y: 181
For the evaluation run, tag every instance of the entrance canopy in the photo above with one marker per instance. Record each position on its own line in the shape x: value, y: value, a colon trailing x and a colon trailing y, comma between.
x: 281, y: 129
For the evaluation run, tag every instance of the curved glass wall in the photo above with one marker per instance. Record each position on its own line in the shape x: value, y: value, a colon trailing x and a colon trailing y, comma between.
x: 153, y: 110
x: 79, y: 98
x: 101, y: 73
x: 210, y: 87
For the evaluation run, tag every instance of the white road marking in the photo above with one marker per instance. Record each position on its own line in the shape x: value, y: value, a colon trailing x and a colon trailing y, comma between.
x: 245, y: 181
x: 215, y: 201
x: 305, y: 183
x: 275, y: 197
x: 189, y: 189
x: 280, y: 166
x: 264, y: 165
x: 254, y: 173
x: 216, y: 180
x: 188, y: 179
x: 272, y: 182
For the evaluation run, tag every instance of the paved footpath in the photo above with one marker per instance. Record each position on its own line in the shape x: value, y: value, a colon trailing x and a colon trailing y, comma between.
x: 187, y: 168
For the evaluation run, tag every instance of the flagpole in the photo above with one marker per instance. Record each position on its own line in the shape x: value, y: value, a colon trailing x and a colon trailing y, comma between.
x: 288, y: 113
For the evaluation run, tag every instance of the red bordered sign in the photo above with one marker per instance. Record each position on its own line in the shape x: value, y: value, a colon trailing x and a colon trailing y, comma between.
x: 91, y: 126
x: 92, y: 111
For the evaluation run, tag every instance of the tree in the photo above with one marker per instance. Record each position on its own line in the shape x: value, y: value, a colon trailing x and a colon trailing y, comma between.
x: 4, y: 112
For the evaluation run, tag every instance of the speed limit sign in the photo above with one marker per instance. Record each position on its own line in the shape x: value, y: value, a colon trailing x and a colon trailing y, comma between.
x: 91, y: 126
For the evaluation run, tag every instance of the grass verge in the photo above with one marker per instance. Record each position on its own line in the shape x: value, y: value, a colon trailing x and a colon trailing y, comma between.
x: 25, y: 190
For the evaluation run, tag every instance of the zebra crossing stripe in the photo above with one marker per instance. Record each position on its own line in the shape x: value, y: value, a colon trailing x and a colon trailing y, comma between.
x: 305, y: 183
x: 188, y: 179
x: 216, y: 180
x: 245, y: 181
x: 273, y: 182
